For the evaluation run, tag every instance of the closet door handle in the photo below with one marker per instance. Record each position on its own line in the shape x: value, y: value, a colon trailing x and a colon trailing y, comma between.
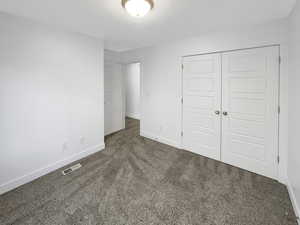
x: 217, y: 112
x: 225, y: 113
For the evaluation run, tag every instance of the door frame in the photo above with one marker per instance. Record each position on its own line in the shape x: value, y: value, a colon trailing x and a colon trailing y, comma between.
x: 124, y: 64
x: 280, y: 153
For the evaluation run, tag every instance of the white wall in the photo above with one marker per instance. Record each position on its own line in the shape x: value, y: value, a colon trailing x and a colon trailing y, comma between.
x: 161, y: 78
x: 51, y: 99
x: 114, y: 93
x: 132, y: 85
x: 294, y: 107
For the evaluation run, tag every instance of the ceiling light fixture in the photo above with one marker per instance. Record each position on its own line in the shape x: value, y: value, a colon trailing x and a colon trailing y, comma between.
x: 137, y: 8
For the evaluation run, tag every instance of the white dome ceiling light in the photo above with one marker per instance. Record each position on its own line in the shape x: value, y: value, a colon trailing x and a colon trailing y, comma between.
x: 137, y: 8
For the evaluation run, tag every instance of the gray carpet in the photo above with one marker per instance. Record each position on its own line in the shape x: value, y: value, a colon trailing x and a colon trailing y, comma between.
x: 139, y: 181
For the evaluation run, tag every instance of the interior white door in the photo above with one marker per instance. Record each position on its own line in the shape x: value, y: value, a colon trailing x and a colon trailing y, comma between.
x: 201, y: 104
x: 250, y: 80
x: 113, y: 98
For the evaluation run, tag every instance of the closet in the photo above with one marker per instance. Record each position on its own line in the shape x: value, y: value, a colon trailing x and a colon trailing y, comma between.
x: 230, y: 107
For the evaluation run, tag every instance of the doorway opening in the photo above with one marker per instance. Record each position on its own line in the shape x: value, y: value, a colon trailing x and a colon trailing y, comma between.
x: 132, y: 78
x: 230, y: 107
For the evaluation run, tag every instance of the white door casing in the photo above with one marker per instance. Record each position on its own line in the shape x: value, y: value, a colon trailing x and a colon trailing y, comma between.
x: 244, y: 86
x: 201, y: 82
x: 250, y: 80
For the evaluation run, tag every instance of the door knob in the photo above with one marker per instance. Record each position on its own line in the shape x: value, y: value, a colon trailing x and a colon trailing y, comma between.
x: 225, y: 113
x: 217, y: 112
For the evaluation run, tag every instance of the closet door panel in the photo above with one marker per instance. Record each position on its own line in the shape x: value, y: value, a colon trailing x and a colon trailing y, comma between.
x: 250, y: 81
x: 201, y: 105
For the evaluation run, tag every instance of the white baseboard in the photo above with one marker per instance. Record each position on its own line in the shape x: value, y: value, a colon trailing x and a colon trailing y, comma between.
x: 133, y: 115
x: 160, y: 139
x: 293, y: 199
x: 50, y: 168
x: 113, y: 131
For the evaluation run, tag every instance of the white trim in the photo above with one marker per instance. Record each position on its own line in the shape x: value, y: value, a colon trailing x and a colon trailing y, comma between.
x: 133, y: 115
x: 293, y: 200
x: 114, y: 131
x: 233, y: 50
x: 160, y: 139
x: 123, y: 96
x: 50, y: 168
x: 283, y: 116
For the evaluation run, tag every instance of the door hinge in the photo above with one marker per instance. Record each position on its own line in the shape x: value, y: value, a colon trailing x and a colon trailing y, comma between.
x: 278, y: 159
x: 279, y: 59
x: 278, y: 109
x: 181, y: 133
x: 181, y: 100
x: 182, y: 66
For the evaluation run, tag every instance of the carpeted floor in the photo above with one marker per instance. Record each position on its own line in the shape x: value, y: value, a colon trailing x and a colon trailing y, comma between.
x: 139, y: 181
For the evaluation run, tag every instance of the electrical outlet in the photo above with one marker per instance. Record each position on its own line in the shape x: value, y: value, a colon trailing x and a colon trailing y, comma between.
x: 82, y: 140
x: 65, y: 146
x: 161, y: 129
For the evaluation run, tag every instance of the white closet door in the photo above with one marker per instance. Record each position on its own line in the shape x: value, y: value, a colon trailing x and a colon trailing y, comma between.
x: 201, y: 104
x: 250, y: 81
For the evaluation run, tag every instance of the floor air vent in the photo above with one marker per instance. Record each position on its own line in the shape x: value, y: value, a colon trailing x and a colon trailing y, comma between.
x: 71, y: 169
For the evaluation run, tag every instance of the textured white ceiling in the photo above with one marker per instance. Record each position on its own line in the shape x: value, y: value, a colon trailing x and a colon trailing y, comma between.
x: 169, y: 20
